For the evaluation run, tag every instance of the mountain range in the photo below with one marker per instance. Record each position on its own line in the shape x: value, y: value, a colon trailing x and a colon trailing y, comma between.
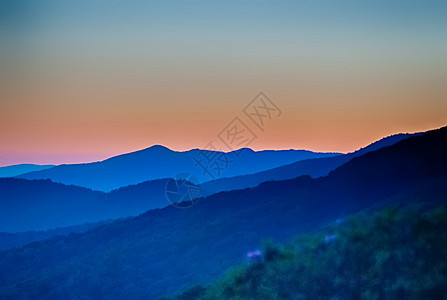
x: 43, y: 205
x: 16, y: 170
x: 312, y: 167
x: 166, y: 250
x: 45, y: 209
x: 158, y: 162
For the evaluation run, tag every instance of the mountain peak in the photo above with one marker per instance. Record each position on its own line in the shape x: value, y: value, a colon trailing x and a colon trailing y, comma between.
x: 158, y: 148
x: 246, y: 149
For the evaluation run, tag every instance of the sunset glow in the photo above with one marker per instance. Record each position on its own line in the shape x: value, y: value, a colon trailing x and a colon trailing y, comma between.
x: 82, y: 82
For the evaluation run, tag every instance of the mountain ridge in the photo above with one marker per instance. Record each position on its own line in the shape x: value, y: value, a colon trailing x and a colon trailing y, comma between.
x: 114, y: 204
x: 158, y: 162
x: 190, y: 246
x: 20, y: 169
x: 313, y: 167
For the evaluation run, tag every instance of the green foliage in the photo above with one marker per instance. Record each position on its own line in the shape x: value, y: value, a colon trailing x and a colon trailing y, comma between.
x: 393, y: 254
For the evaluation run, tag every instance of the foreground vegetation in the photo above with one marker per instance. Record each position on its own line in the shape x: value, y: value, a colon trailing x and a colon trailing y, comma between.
x: 392, y: 254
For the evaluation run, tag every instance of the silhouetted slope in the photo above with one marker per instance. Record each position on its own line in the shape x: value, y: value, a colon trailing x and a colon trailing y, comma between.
x: 16, y: 170
x: 164, y: 250
x: 45, y: 207
x: 14, y: 240
x: 158, y: 162
x: 423, y: 156
x: 41, y: 204
x: 314, y: 167
x: 397, y: 253
x: 140, y: 197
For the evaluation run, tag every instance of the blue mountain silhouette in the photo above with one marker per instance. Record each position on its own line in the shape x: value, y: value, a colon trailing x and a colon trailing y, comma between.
x: 159, y: 162
x: 42, y: 204
x: 165, y: 250
x: 45, y: 209
x: 312, y: 167
x: 16, y: 170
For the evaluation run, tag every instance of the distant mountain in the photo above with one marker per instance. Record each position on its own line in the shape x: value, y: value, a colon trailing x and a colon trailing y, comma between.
x: 314, y: 167
x: 45, y: 210
x: 41, y: 204
x: 159, y: 162
x: 16, y: 170
x: 10, y: 240
x: 165, y: 250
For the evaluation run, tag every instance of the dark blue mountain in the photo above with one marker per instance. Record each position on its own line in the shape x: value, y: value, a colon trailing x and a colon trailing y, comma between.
x: 16, y: 170
x: 165, y: 250
x: 10, y: 240
x: 42, y: 204
x: 313, y: 167
x: 46, y: 210
x: 158, y: 162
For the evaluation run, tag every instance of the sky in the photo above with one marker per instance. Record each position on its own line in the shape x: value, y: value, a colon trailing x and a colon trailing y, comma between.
x: 85, y: 80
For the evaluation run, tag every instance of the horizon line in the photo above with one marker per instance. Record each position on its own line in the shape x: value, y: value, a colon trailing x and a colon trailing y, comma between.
x: 108, y: 156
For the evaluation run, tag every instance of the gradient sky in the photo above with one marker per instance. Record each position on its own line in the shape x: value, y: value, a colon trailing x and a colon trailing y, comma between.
x: 84, y: 80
